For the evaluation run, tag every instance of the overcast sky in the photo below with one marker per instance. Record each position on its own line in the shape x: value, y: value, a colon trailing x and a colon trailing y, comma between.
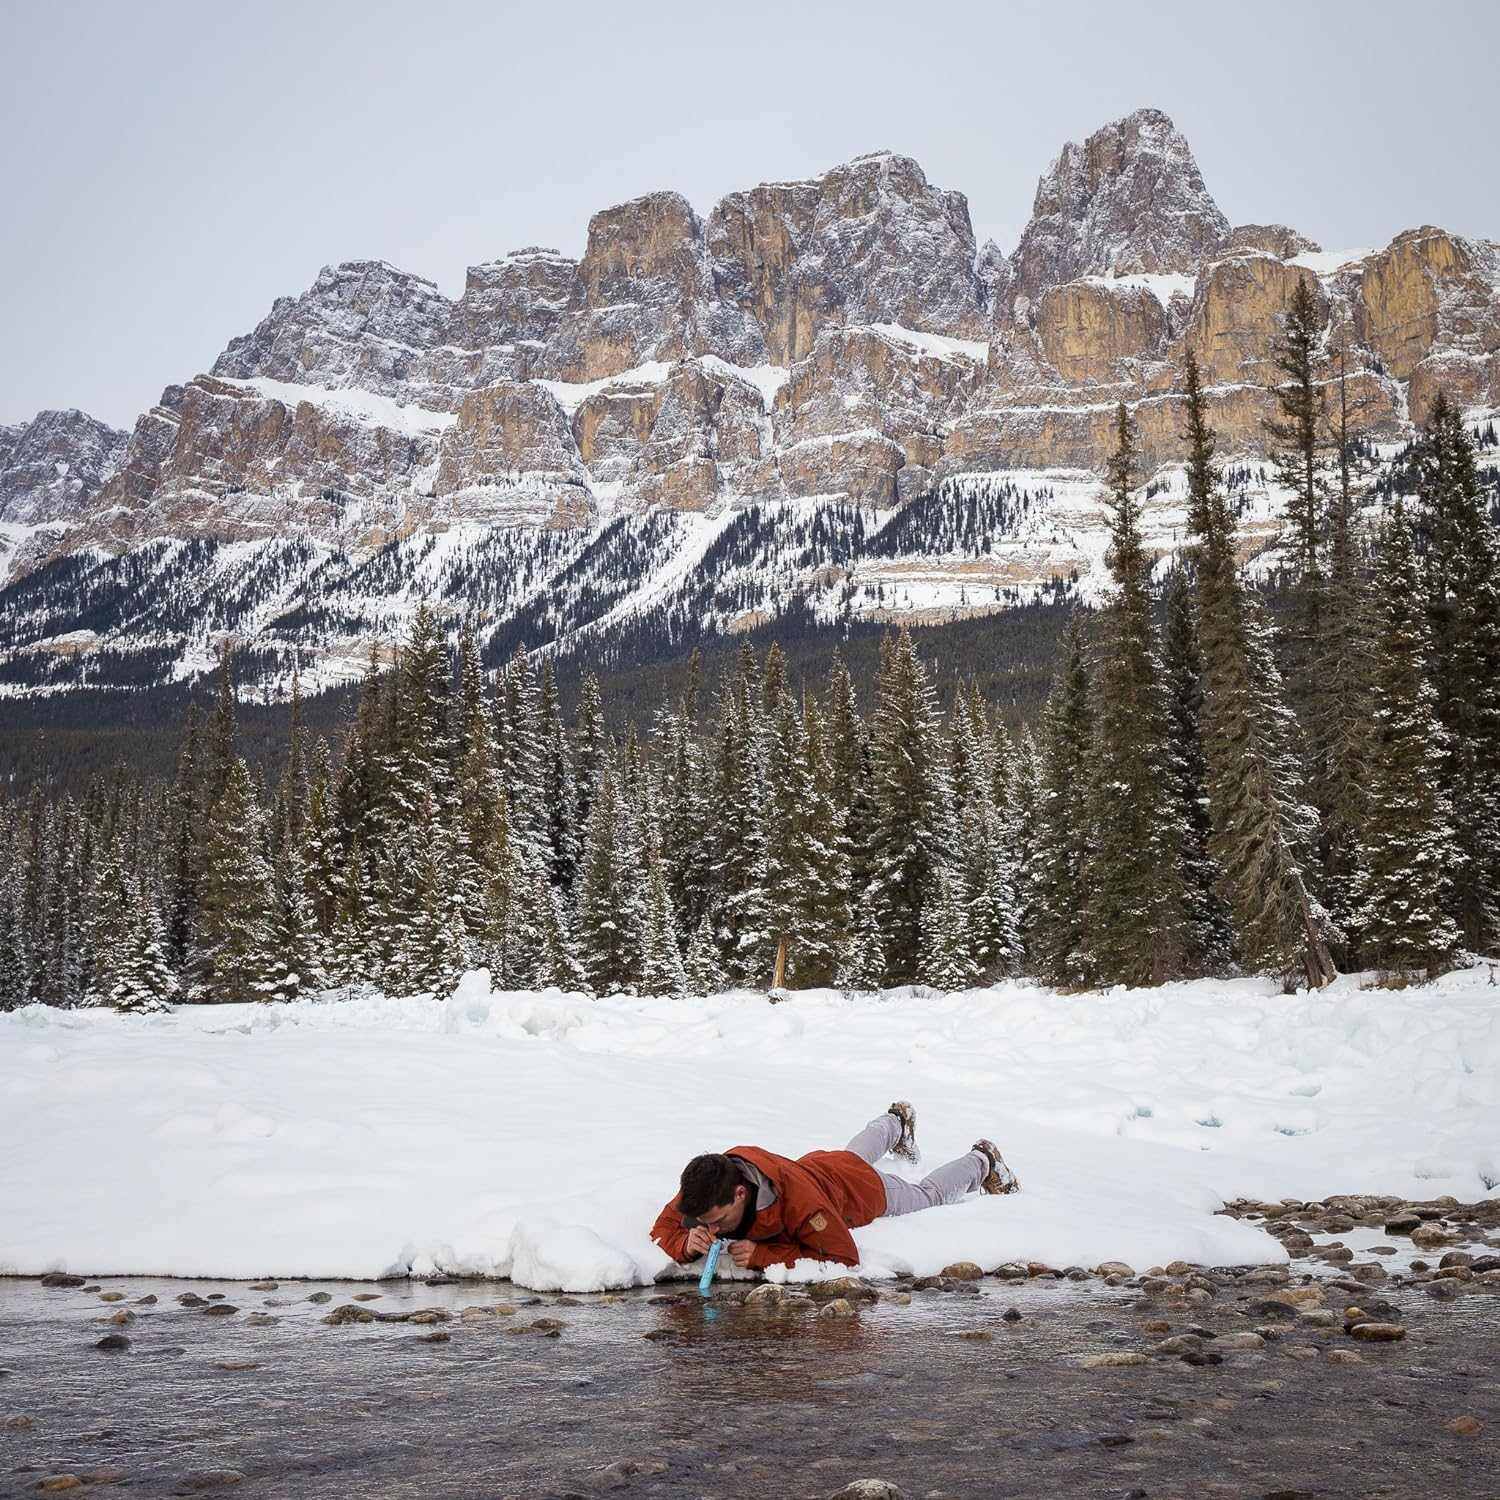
x: 169, y: 169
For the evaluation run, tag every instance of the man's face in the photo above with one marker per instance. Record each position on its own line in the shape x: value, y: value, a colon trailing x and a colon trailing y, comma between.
x: 725, y: 1216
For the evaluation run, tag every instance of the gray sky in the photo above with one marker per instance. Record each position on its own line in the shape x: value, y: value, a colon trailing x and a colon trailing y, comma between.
x: 169, y: 169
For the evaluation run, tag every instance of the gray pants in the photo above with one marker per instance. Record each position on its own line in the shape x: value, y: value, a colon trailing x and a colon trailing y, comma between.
x: 946, y: 1184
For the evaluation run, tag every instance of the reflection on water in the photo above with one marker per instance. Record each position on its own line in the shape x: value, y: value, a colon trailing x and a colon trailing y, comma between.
x: 668, y: 1394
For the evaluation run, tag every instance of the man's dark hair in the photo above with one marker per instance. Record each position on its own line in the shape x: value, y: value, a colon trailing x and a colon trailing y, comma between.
x: 707, y: 1182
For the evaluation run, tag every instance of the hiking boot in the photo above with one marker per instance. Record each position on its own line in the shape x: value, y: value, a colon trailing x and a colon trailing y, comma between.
x: 1000, y: 1178
x: 906, y: 1147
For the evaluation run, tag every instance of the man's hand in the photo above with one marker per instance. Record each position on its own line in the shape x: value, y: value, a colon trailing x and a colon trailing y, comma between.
x: 698, y: 1241
x: 740, y: 1252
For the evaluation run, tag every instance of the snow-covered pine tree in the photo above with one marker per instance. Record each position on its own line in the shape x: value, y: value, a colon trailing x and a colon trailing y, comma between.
x: 235, y: 958
x: 662, y: 970
x: 1265, y: 833
x: 701, y: 970
x: 788, y: 791
x: 739, y: 897
x: 1209, y: 939
x: 1300, y: 461
x: 560, y: 812
x: 1406, y: 844
x: 593, y: 746
x: 1137, y: 898
x: 862, y: 964
x: 1462, y: 578
x: 913, y: 834
x: 1337, y: 713
x: 946, y: 959
x: 143, y: 981
x: 16, y: 961
x: 818, y: 892
x: 1020, y: 829
x: 349, y: 961
x: 1061, y: 869
x: 606, y: 950
x: 184, y: 812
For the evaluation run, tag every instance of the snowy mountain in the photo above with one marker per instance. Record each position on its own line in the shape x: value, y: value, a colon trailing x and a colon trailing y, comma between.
x: 822, y: 396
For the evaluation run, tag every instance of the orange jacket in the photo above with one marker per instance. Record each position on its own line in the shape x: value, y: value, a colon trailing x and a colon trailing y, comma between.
x: 819, y: 1198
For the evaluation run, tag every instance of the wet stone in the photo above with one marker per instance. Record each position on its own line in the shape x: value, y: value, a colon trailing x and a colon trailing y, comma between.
x: 321, y: 1297
x: 348, y: 1313
x: 61, y: 1279
x: 870, y: 1489
x: 1377, y: 1333
x: 1114, y: 1359
x: 963, y: 1270
x: 18, y: 1423
x: 111, y: 1296
x: 263, y: 1286
x: 260, y: 1320
x: 210, y: 1479
x: 1464, y: 1426
x: 1012, y: 1315
x: 53, y: 1483
x: 149, y: 1300
x: 368, y: 1296
x: 113, y: 1343
x: 220, y: 1310
x: 190, y: 1299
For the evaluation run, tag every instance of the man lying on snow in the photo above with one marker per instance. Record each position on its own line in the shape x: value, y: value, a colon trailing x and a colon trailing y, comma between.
x: 775, y: 1211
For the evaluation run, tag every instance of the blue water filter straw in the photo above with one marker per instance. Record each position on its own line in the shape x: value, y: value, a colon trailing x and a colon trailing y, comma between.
x: 706, y: 1280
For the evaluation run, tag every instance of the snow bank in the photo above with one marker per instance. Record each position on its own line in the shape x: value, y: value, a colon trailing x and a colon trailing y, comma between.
x: 536, y: 1135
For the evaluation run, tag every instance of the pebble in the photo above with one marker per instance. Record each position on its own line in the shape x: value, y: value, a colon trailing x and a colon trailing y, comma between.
x: 261, y: 1320
x: 1345, y: 1357
x: 840, y: 1307
x: 149, y: 1300
x: 850, y: 1288
x: 321, y: 1297
x: 1113, y: 1268
x: 962, y: 1270
x: 18, y: 1423
x: 1156, y: 1325
x: 111, y: 1296
x: 1115, y: 1359
x: 977, y: 1335
x: 897, y: 1299
x: 1377, y: 1333
x: 869, y: 1489
x: 1430, y: 1236
x: 220, y: 1310
x: 61, y: 1278
x: 1239, y: 1341
x: 113, y: 1342
x: 348, y: 1313
x: 368, y: 1296
x: 264, y: 1286
x: 1464, y: 1426
x: 190, y: 1299
x: 212, y: 1479
x: 1011, y: 1271
x: 122, y: 1318
x: 437, y: 1336
x: 1012, y: 1315
x: 236, y: 1364
x: 54, y: 1482
x: 1320, y: 1317
x: 1444, y: 1291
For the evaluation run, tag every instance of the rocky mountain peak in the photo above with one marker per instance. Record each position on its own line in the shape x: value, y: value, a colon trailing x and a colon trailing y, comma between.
x: 1130, y: 199
x: 55, y: 463
x: 363, y: 322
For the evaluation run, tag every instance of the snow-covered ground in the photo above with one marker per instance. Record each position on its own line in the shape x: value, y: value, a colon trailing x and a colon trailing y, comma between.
x: 537, y: 1135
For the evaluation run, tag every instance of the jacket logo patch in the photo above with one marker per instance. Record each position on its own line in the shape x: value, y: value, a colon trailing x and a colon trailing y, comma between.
x: 818, y: 1223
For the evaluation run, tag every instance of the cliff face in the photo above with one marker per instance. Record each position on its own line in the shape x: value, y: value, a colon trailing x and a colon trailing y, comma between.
x: 839, y: 339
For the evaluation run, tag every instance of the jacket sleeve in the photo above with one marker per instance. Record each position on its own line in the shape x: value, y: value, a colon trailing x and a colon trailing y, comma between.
x: 670, y: 1234
x: 821, y: 1236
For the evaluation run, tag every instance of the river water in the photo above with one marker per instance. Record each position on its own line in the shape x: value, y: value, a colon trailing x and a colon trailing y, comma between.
x: 639, y: 1396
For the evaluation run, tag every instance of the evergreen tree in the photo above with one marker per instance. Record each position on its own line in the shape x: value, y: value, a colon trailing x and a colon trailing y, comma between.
x: 1405, y: 847
x: 1265, y: 833
x: 1138, y: 922
x: 912, y: 823
x: 1059, y: 944
x: 818, y: 892
x: 1299, y: 453
x: 1209, y: 939
x: 235, y: 956
x: 862, y: 964
x: 701, y: 970
x: 606, y: 948
x: 1462, y: 588
x: 946, y: 960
